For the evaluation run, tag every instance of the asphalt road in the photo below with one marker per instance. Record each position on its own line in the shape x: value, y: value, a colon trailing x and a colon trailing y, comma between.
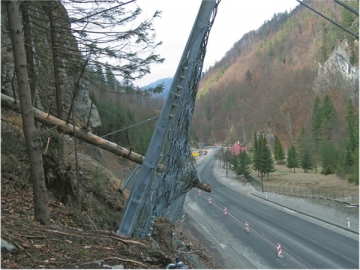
x: 304, y: 244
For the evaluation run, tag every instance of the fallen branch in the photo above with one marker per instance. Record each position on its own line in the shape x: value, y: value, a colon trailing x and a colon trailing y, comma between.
x: 126, y: 260
x: 127, y: 242
x: 83, y: 135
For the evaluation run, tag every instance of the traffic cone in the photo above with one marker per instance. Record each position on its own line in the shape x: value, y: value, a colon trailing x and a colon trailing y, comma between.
x: 246, y: 227
x: 279, y: 251
x: 225, y: 211
x: 209, y: 200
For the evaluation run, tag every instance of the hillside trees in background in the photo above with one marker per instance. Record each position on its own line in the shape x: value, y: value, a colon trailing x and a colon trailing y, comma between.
x: 32, y: 137
x: 280, y: 57
x: 120, y: 123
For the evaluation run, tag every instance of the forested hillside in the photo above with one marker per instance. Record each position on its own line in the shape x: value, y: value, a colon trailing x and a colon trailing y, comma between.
x: 271, y: 79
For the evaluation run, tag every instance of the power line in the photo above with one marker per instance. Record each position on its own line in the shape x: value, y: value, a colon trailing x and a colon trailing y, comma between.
x: 343, y: 28
x: 140, y: 123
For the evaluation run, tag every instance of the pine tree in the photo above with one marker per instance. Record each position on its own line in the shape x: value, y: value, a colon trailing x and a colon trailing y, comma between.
x: 328, y: 118
x: 265, y: 161
x: 256, y: 154
x: 279, y: 154
x: 352, y: 143
x: 316, y: 120
x: 248, y: 77
x: 243, y: 164
x: 269, y: 162
x: 306, y: 160
x: 292, y: 159
x: 111, y: 81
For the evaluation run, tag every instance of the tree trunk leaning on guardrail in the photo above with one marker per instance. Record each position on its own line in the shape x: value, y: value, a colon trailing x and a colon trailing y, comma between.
x: 83, y: 135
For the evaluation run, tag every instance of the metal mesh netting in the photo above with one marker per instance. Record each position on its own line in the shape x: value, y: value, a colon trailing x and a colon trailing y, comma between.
x: 166, y: 194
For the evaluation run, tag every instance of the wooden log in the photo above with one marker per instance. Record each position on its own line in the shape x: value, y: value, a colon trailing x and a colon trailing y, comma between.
x: 84, y: 135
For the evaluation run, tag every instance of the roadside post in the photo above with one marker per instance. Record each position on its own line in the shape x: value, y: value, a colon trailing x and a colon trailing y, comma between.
x: 182, y: 220
x: 279, y: 251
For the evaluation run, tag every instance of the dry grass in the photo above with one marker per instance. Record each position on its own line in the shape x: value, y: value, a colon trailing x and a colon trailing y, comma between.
x: 330, y: 186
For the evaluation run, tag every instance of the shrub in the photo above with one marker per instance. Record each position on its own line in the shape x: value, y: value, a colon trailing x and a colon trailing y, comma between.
x: 328, y: 170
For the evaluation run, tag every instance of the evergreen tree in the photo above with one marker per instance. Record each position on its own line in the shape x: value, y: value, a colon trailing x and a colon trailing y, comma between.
x: 352, y: 144
x: 352, y: 127
x: 256, y: 155
x: 306, y: 161
x: 292, y: 159
x: 316, y: 120
x: 331, y: 157
x: 328, y: 118
x: 99, y: 75
x: 248, y: 77
x: 269, y: 162
x: 265, y: 161
x: 243, y: 162
x: 304, y: 146
x: 111, y: 81
x: 279, y: 154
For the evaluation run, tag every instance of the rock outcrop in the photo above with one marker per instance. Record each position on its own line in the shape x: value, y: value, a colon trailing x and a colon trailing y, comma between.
x: 71, y: 64
x: 337, y: 72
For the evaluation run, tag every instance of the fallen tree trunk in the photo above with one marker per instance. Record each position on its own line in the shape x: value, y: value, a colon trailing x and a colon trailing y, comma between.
x: 83, y: 135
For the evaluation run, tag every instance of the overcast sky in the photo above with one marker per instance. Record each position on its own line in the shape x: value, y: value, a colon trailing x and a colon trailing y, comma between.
x: 234, y: 19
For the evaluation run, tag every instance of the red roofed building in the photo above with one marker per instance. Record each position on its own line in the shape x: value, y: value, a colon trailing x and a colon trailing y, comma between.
x: 236, y: 148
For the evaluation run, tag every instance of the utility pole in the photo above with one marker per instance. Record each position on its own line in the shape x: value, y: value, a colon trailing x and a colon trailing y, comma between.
x: 226, y: 162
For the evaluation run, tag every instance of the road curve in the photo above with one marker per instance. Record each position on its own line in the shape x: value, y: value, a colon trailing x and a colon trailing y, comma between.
x: 304, y: 244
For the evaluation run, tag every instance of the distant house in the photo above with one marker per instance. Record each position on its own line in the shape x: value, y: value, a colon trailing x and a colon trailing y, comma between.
x: 236, y: 148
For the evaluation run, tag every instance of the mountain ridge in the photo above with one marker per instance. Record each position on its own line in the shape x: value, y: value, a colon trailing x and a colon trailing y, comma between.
x: 166, y: 82
x: 266, y: 82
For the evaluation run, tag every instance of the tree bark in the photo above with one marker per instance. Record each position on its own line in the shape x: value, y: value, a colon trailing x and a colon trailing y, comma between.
x: 54, y: 45
x: 85, y: 136
x: 29, y: 50
x: 32, y: 138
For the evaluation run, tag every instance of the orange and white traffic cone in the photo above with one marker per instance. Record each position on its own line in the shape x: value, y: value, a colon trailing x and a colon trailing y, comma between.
x: 225, y: 212
x: 279, y: 251
x: 209, y: 201
x: 247, y: 227
x: 199, y: 192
